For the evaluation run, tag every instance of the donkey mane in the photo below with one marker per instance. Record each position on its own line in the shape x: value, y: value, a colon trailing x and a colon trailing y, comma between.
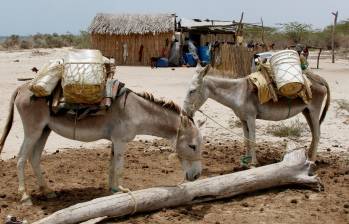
x: 169, y: 105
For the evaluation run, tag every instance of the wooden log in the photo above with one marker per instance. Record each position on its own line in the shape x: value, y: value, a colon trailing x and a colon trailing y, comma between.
x: 293, y: 169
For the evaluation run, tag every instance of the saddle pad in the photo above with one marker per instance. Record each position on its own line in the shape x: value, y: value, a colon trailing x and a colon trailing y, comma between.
x: 113, y: 90
x: 261, y: 83
x: 264, y: 94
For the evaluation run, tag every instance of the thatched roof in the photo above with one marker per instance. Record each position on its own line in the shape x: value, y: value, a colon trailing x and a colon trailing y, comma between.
x: 124, y: 24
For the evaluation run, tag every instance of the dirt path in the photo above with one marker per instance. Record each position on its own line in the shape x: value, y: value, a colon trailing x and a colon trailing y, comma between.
x: 81, y: 175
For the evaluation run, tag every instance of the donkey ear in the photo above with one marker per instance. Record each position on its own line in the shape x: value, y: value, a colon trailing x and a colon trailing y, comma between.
x: 206, y: 69
x: 198, y: 68
x: 184, y: 122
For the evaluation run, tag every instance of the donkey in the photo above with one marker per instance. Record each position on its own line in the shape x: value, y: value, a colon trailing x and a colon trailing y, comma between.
x: 130, y: 114
x: 239, y: 95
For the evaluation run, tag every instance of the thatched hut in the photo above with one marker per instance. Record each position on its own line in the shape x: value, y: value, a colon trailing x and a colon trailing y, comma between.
x: 132, y: 39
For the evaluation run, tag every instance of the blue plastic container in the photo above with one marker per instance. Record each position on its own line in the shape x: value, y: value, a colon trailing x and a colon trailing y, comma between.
x: 162, y: 63
x: 189, y: 59
x: 204, y: 54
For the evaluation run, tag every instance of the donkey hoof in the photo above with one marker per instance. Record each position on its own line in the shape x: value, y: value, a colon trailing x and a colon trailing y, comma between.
x: 115, y: 190
x: 248, y: 162
x: 26, y: 200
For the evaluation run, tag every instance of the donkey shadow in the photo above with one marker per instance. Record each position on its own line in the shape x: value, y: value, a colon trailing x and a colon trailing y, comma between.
x: 68, y: 197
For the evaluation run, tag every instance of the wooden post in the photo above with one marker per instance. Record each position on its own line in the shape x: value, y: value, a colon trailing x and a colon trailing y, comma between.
x: 318, y: 59
x: 263, y: 40
x: 293, y: 169
x: 333, y: 32
x: 239, y: 32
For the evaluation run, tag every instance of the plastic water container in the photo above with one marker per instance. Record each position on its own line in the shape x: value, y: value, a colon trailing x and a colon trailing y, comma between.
x: 287, y: 72
x: 162, y: 63
x: 204, y: 54
x: 189, y: 59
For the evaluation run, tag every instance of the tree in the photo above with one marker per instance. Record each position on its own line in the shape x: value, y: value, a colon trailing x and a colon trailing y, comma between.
x: 296, y: 32
x: 83, y: 40
x: 11, y: 41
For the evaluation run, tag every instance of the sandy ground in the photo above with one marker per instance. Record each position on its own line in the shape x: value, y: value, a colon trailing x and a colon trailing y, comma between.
x: 81, y: 175
x: 75, y: 182
x: 172, y: 84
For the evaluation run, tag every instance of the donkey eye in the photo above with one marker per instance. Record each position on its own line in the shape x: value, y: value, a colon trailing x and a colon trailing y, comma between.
x: 193, y: 147
x: 192, y: 91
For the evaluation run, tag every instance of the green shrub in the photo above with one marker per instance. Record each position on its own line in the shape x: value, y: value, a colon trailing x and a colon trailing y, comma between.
x: 83, y: 41
x: 26, y: 44
x: 11, y: 42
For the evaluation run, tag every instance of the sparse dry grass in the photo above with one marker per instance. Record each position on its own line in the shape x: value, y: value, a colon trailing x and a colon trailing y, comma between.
x: 294, y: 129
x: 235, y: 123
x: 343, y: 105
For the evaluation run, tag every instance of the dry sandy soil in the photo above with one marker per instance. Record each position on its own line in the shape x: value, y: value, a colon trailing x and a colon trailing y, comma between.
x: 76, y: 182
x: 81, y: 175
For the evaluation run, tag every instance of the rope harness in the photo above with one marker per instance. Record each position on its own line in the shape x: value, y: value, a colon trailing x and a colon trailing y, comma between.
x: 289, y: 107
x: 227, y: 129
x: 246, y: 159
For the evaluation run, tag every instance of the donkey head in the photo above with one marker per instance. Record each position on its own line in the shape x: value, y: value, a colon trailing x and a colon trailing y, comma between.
x: 188, y: 148
x: 196, y: 95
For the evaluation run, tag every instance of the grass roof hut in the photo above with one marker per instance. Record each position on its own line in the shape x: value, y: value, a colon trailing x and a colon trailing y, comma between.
x: 132, y: 39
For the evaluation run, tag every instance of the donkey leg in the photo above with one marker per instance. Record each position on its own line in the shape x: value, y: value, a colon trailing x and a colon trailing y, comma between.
x: 246, y: 135
x: 314, y: 124
x: 111, y: 167
x: 117, y: 165
x: 251, y: 123
x: 245, y: 160
x: 35, y: 163
x: 25, y: 151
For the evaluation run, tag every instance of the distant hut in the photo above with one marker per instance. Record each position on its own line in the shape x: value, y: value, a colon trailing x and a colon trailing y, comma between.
x: 208, y: 31
x: 132, y: 39
x: 229, y: 57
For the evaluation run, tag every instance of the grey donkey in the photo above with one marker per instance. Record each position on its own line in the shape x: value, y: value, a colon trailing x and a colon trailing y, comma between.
x: 130, y: 115
x: 239, y: 95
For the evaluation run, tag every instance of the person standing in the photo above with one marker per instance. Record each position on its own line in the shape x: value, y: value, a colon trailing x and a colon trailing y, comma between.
x: 192, y: 51
x: 303, y: 59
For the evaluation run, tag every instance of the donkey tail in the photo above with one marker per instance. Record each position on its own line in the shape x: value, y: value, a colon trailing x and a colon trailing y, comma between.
x: 328, y: 100
x: 318, y: 79
x: 9, y: 120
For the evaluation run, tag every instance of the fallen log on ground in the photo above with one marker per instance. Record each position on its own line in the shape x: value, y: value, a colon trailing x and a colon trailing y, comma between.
x: 293, y: 169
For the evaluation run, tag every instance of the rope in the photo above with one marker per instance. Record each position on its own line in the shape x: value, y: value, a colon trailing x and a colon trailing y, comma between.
x: 289, y: 107
x: 227, y: 129
x: 129, y: 192
x: 75, y: 122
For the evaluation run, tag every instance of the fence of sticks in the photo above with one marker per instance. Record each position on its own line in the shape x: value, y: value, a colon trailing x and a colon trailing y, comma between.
x: 231, y: 61
x: 140, y: 48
